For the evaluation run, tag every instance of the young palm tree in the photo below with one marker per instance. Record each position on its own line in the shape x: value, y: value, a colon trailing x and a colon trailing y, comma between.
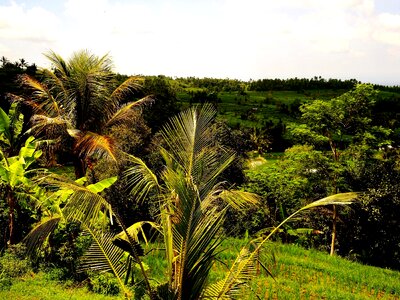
x: 80, y: 99
x: 192, y: 200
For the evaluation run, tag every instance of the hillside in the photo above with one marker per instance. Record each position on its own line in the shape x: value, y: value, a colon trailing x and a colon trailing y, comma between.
x: 298, y: 274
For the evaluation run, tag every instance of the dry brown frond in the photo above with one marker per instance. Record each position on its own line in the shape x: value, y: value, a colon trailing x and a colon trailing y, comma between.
x: 91, y: 144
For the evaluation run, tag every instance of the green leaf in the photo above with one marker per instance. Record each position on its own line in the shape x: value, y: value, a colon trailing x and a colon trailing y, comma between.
x: 81, y: 180
x: 4, y: 124
x: 16, y: 173
x: 101, y: 185
x: 136, y: 229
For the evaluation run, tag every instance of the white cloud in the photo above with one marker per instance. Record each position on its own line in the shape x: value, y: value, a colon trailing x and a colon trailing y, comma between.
x: 387, y: 30
x: 224, y: 38
x: 35, y: 24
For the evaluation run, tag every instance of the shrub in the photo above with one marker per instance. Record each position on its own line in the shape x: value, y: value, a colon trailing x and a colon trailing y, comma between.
x: 12, y: 264
x: 104, y: 283
x: 66, y: 245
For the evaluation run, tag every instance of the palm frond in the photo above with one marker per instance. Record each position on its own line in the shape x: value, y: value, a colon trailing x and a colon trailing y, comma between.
x: 136, y: 229
x: 103, y: 255
x: 51, y: 127
x: 337, y: 199
x: 37, y: 236
x: 57, y: 81
x: 242, y: 270
x: 125, y: 112
x: 127, y: 88
x: 96, y: 144
x: 240, y: 274
x: 58, y: 63
x: 84, y: 205
x: 187, y: 134
x: 199, y: 250
x: 140, y: 179
x: 239, y: 200
x: 44, y: 102
x: 209, y: 165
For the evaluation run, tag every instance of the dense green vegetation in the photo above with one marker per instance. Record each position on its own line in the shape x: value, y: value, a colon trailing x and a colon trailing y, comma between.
x: 132, y: 186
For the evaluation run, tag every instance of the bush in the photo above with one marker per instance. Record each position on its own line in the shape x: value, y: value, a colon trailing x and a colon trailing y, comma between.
x: 12, y: 264
x: 66, y: 245
x: 104, y: 283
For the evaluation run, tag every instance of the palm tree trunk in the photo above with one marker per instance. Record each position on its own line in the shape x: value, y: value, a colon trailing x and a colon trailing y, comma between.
x: 333, y: 230
x: 80, y: 167
x: 336, y: 190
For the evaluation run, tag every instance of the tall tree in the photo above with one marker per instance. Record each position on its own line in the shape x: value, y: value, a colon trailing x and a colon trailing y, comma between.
x: 339, y: 122
x: 81, y: 99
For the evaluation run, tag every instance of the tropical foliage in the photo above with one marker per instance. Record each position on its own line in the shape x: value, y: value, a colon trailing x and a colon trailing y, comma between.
x: 18, y: 188
x: 80, y: 99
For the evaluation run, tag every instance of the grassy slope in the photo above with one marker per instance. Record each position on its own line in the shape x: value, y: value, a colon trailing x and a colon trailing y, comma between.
x: 305, y: 274
x: 263, y: 105
x: 298, y: 274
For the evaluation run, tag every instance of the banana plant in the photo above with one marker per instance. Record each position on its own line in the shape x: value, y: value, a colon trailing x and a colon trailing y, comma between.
x: 16, y: 178
x: 11, y: 129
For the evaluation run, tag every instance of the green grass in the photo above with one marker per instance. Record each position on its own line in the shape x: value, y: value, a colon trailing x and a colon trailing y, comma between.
x: 304, y: 274
x: 298, y: 274
x: 39, y: 287
x: 309, y: 274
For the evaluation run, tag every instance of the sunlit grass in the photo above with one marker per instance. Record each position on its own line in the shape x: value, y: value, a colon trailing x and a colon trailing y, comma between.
x: 303, y: 274
x: 298, y: 274
x: 39, y: 287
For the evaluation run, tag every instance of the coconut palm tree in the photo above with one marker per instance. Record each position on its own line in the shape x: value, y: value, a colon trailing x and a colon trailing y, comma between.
x: 192, y: 200
x: 80, y: 99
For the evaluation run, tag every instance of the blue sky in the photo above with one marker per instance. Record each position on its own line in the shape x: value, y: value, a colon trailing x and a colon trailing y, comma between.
x: 214, y: 38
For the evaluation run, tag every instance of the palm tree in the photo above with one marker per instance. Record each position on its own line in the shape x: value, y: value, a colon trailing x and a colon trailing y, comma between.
x: 192, y: 200
x: 81, y: 99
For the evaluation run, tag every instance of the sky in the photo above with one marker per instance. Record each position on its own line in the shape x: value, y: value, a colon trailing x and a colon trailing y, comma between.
x: 247, y: 39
